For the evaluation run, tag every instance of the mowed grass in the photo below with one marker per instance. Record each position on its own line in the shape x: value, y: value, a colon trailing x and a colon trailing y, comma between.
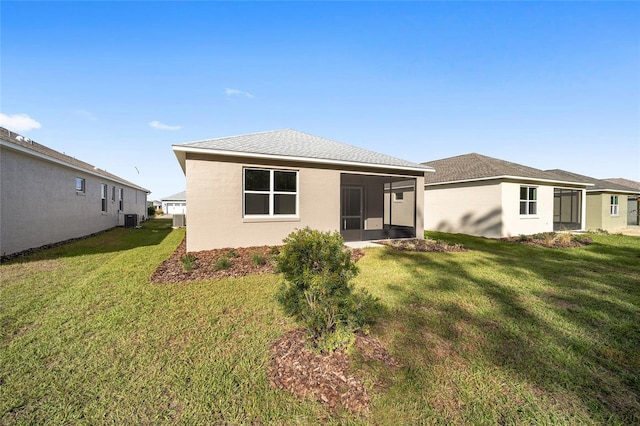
x: 503, y: 333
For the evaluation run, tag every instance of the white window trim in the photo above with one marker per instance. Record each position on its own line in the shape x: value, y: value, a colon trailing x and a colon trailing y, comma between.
x: 104, y: 198
x: 83, y: 190
x: 271, y: 216
x: 120, y: 199
x: 395, y: 197
x: 614, y: 208
x: 520, y: 200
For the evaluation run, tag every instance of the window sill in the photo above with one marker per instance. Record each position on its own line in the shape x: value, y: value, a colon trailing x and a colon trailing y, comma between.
x: 80, y: 193
x: 529, y: 216
x: 270, y: 219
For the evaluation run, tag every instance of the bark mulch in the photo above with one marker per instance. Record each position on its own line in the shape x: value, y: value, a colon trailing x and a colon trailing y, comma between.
x: 242, y: 261
x: 422, y: 245
x: 550, y: 240
x: 325, y: 378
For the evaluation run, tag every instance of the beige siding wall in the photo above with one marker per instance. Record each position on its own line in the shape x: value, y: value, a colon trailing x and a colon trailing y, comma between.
x: 599, y: 212
x: 516, y: 224
x: 473, y: 208
x: 40, y: 205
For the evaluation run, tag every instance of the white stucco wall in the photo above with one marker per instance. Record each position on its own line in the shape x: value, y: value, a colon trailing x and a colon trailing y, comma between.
x: 488, y: 208
x: 40, y: 205
x: 516, y: 224
x: 174, y: 207
x: 472, y: 208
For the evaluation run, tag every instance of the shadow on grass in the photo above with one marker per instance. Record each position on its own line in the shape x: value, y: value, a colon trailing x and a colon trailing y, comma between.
x: 151, y: 232
x: 562, y: 320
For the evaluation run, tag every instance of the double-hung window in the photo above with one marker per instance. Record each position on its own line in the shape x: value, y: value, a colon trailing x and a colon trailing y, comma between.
x: 120, y: 199
x: 103, y: 197
x: 528, y: 200
x: 270, y: 193
x: 80, y: 185
x: 615, y: 206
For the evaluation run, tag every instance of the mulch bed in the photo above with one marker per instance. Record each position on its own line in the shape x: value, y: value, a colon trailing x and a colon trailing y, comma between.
x: 553, y: 241
x: 416, y: 244
x: 241, y: 262
x: 325, y: 378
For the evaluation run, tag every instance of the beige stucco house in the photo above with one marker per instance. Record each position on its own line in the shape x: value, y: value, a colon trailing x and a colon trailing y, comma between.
x: 633, y: 201
x: 484, y: 196
x: 47, y: 197
x: 255, y: 189
x: 607, y: 205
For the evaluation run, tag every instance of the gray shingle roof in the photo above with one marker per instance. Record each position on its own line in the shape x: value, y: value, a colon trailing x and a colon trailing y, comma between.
x: 30, y: 145
x: 180, y: 196
x: 480, y: 167
x: 599, y: 185
x: 625, y: 182
x: 289, y: 143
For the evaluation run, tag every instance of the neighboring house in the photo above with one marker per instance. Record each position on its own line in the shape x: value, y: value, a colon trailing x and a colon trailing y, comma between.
x: 48, y: 197
x: 175, y: 204
x: 484, y: 196
x: 633, y: 201
x: 255, y: 189
x: 607, y: 206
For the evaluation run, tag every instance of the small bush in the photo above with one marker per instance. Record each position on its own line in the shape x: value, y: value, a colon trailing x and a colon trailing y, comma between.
x: 232, y: 253
x: 188, y: 262
x: 151, y: 211
x: 258, y: 259
x: 564, y: 239
x: 316, y: 290
x: 222, y: 263
x: 549, y: 239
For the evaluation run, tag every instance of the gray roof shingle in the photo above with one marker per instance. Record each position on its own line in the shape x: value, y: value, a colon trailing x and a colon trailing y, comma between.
x: 598, y: 184
x: 480, y: 167
x: 30, y: 145
x: 180, y: 196
x: 625, y: 182
x: 299, y: 146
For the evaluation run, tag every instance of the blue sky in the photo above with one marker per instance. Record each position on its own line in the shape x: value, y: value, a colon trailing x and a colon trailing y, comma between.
x: 546, y: 84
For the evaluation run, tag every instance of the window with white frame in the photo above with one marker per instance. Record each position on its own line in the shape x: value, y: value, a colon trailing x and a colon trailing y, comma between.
x: 528, y: 200
x: 113, y: 194
x: 120, y: 199
x: 80, y: 185
x: 270, y: 193
x: 398, y: 197
x: 615, y: 207
x: 103, y: 197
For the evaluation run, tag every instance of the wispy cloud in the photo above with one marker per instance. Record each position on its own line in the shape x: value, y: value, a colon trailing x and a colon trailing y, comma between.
x: 18, y: 122
x: 236, y: 92
x: 160, y: 126
x: 86, y: 114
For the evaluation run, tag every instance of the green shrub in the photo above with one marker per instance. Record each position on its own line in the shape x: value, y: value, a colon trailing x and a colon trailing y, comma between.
x: 151, y: 211
x: 258, y: 259
x: 222, y: 263
x: 316, y: 291
x: 188, y: 262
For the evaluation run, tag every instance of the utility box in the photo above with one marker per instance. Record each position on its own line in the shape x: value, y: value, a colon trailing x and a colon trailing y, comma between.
x: 130, y: 220
x: 179, y: 220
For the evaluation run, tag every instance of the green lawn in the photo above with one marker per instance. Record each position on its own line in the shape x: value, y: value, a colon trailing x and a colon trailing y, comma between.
x: 503, y: 333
